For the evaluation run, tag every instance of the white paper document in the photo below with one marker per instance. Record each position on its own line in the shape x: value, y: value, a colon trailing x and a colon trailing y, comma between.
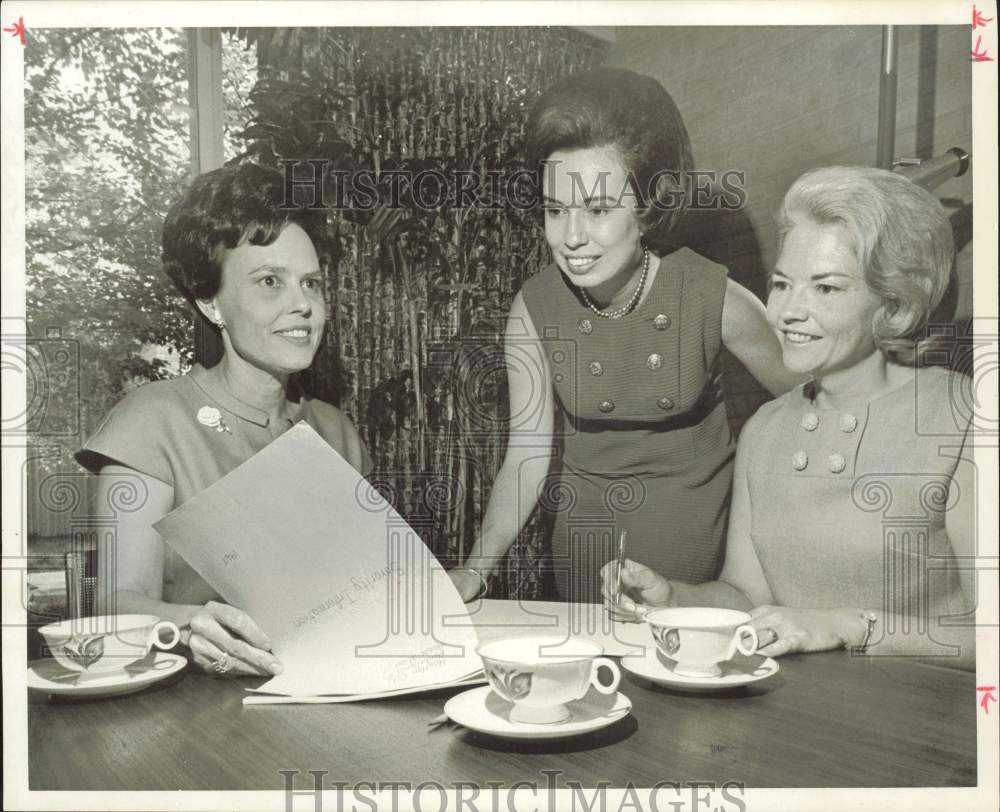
x: 352, y: 599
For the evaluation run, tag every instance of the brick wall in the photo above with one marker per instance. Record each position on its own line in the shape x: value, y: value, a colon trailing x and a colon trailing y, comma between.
x: 776, y: 101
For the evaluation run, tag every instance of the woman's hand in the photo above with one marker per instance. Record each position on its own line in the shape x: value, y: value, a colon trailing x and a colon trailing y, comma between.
x: 785, y: 630
x: 224, y: 639
x: 640, y: 588
x: 468, y: 582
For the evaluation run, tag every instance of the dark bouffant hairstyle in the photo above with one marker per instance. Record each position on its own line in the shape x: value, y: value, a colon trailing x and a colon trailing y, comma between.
x: 220, y: 210
x: 634, y: 115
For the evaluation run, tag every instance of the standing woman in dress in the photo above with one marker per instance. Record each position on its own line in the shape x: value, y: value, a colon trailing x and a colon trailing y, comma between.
x: 624, y: 338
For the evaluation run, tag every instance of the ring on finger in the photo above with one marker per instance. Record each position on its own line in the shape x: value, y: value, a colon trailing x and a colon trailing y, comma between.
x: 223, y: 664
x: 767, y: 637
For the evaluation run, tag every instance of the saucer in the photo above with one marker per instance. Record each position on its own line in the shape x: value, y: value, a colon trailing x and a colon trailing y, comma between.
x: 738, y: 671
x: 51, y: 678
x: 482, y: 710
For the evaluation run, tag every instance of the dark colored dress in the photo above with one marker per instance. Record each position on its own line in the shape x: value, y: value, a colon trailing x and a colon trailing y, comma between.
x: 645, y: 445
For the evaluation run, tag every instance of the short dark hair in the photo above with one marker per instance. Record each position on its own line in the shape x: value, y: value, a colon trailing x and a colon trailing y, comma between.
x: 900, y: 234
x: 634, y: 115
x: 220, y: 210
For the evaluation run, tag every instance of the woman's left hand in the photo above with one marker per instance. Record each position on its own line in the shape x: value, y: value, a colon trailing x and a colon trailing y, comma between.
x: 785, y: 629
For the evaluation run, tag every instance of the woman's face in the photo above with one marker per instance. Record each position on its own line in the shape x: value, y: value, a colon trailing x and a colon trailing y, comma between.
x: 820, y: 305
x: 590, y: 219
x: 271, y: 302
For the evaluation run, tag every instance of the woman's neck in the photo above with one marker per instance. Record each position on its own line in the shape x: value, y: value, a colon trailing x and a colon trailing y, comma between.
x: 613, y: 294
x: 254, y: 386
x: 865, y: 381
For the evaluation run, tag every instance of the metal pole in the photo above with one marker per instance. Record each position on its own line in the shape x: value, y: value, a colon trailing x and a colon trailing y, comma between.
x: 886, y: 144
x: 207, y: 107
x: 934, y: 171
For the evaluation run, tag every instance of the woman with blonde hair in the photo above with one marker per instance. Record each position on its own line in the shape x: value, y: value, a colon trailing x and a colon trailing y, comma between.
x: 854, y: 494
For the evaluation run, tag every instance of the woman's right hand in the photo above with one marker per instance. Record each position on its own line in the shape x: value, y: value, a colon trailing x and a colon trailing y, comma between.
x: 224, y: 634
x: 641, y: 588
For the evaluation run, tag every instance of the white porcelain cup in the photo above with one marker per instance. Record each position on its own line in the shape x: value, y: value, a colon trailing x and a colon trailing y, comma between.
x: 541, y: 674
x: 698, y: 638
x: 103, y: 646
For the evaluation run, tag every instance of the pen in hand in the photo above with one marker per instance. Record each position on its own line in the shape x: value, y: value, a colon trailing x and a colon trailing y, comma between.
x: 620, y: 566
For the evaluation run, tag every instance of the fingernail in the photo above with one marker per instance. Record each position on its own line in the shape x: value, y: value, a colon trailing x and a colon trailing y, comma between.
x: 276, y: 667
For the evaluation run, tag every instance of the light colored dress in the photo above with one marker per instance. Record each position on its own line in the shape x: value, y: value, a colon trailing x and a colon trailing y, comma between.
x: 156, y: 431
x: 645, y: 445
x: 849, y: 506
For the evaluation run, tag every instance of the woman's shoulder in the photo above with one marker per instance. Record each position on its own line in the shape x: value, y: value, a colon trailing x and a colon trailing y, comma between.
x: 691, y: 259
x: 694, y: 277
x: 935, y: 401
x: 327, y: 415
x: 542, y: 283
x: 339, y: 431
x: 695, y: 266
x: 139, y: 427
x: 773, y: 415
x: 150, y: 403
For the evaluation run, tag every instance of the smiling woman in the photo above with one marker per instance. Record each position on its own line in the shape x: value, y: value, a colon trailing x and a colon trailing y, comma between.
x: 820, y: 305
x: 622, y: 334
x: 853, y: 495
x: 249, y: 267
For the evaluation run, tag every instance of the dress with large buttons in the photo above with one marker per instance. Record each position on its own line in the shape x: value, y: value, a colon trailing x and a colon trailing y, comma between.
x: 645, y: 445
x: 848, y: 506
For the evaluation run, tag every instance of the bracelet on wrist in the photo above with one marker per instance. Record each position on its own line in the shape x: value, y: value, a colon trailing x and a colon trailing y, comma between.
x: 484, y: 584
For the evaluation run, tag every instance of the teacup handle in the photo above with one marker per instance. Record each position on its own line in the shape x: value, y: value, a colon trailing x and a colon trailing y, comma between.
x: 613, y: 667
x: 738, y: 641
x: 154, y: 635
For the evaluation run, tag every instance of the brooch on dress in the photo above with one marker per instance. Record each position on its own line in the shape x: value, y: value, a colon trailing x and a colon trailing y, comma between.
x: 212, y: 417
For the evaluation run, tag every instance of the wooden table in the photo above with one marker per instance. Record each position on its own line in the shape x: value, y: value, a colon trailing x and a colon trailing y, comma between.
x: 825, y: 720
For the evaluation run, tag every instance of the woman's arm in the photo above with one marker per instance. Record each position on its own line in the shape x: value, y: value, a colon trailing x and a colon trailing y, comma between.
x: 529, y: 449
x: 748, y: 336
x: 741, y: 584
x: 130, y: 580
x: 953, y: 646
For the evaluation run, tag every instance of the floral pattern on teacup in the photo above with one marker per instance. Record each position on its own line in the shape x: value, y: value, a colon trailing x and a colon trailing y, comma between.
x: 509, y: 683
x: 212, y: 417
x: 669, y: 639
x: 84, y: 649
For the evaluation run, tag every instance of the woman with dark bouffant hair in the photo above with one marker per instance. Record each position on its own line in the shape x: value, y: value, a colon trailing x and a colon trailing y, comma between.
x: 247, y: 264
x: 854, y: 494
x: 622, y: 334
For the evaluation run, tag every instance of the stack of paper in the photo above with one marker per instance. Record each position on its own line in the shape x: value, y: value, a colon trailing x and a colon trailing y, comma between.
x: 354, y: 603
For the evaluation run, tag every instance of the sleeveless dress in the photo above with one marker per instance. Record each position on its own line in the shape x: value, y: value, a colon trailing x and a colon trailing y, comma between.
x: 162, y: 430
x: 849, y: 506
x: 645, y: 445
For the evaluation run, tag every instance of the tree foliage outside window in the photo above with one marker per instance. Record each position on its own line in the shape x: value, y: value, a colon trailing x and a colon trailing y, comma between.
x: 107, y: 151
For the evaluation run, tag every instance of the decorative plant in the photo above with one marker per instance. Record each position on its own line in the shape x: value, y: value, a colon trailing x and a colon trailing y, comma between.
x: 413, y: 284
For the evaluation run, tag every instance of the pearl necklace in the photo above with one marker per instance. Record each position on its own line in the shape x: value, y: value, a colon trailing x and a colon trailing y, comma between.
x: 629, y: 306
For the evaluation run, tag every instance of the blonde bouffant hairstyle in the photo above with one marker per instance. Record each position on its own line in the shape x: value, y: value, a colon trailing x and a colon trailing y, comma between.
x: 901, y: 236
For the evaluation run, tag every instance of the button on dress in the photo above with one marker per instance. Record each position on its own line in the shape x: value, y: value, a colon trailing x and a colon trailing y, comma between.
x: 646, y: 444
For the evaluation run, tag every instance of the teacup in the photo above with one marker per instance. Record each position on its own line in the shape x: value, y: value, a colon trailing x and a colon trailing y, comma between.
x: 541, y: 674
x: 698, y: 638
x: 101, y: 647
